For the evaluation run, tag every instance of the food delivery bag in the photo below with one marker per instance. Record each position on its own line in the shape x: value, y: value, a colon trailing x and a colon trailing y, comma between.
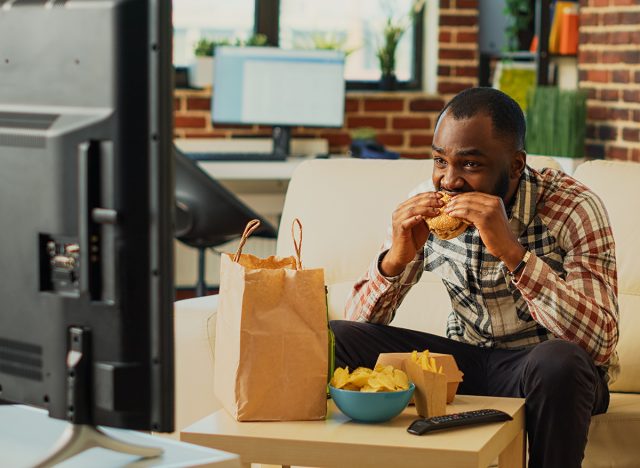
x: 271, y: 337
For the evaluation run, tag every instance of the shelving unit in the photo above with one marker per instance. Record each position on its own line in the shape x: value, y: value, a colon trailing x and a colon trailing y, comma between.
x: 542, y: 57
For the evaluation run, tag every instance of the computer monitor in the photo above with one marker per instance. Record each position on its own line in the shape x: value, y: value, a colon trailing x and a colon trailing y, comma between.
x: 281, y: 88
x: 87, y: 200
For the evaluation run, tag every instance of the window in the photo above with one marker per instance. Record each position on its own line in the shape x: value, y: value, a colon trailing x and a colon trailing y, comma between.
x: 356, y: 27
x: 353, y: 25
x: 210, y: 19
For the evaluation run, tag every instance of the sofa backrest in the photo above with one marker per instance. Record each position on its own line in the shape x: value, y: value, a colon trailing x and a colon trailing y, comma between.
x: 615, y: 182
x: 345, y: 207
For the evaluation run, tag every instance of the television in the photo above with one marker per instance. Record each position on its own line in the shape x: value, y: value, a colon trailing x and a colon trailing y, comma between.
x: 280, y: 88
x: 87, y: 200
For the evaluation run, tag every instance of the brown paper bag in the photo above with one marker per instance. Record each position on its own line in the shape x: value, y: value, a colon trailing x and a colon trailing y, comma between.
x: 271, y: 337
x: 431, y: 390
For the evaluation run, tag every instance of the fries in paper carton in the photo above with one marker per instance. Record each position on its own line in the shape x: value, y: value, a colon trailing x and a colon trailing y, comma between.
x: 444, y: 361
x: 431, y: 390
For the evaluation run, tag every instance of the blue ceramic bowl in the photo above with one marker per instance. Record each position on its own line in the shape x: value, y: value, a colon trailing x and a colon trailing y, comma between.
x: 371, y: 407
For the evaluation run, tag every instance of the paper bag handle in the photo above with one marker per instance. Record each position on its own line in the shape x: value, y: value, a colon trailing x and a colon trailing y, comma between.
x: 297, y: 245
x: 251, y: 226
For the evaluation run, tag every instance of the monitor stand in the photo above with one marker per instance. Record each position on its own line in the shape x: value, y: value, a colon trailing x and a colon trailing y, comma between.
x: 82, y: 435
x: 281, y: 142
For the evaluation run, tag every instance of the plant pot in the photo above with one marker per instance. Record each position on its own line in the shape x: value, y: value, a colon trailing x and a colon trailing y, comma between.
x: 201, y: 73
x: 388, y: 82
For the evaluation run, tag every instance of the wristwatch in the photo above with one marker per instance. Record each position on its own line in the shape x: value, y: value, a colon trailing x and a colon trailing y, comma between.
x: 520, y: 265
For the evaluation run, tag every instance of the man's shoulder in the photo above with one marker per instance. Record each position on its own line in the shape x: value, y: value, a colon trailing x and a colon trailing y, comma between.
x: 560, y: 196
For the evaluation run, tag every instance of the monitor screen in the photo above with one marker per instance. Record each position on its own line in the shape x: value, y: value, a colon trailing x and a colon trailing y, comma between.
x: 271, y: 86
x: 87, y: 198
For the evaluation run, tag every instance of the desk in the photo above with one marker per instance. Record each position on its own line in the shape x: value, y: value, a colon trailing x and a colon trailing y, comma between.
x: 338, y: 441
x: 28, y: 434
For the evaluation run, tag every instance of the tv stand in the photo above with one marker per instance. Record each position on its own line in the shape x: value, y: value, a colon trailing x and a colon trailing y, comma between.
x: 80, y: 437
x: 82, y: 434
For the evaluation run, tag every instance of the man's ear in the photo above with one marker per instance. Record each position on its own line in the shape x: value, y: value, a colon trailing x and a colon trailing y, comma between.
x: 518, y: 163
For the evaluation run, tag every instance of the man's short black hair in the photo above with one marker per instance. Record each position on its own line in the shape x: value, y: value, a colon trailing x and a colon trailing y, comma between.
x: 505, y: 113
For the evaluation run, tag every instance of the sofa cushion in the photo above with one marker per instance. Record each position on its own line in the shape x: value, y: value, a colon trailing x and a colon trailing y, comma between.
x: 629, y: 345
x: 613, y: 437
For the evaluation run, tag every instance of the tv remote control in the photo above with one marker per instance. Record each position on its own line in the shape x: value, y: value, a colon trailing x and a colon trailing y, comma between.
x: 424, y: 425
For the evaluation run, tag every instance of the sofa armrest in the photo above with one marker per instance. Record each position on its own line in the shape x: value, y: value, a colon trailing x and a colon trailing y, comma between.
x: 194, y: 331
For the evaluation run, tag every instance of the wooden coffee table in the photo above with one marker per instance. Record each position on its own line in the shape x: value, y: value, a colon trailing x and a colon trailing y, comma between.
x: 338, y: 441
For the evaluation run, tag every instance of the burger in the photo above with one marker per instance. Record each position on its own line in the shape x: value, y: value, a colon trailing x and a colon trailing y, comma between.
x: 445, y: 226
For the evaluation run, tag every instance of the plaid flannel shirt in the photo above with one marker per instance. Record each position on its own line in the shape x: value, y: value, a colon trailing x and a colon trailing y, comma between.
x: 567, y: 290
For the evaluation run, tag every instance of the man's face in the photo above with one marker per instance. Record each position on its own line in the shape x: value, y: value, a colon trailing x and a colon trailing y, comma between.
x: 469, y: 158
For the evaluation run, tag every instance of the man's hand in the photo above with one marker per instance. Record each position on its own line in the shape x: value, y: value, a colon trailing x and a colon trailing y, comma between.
x: 410, y: 232
x: 486, y: 212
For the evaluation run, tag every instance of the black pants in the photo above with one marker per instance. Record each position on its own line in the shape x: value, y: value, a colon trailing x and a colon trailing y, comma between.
x: 559, y: 380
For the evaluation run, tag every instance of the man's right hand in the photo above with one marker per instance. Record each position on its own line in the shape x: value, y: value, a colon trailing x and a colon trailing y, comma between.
x: 410, y: 232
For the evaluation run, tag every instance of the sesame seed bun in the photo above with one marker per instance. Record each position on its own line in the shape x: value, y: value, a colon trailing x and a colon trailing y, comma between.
x: 443, y: 225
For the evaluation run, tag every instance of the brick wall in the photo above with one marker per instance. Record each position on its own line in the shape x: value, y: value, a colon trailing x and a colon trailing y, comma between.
x: 403, y: 120
x: 609, y: 69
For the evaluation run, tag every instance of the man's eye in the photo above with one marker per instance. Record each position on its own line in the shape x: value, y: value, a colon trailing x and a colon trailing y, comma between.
x: 439, y: 161
x: 471, y: 164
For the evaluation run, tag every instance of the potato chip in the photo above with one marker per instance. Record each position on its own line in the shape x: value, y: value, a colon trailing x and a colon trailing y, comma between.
x: 381, y: 379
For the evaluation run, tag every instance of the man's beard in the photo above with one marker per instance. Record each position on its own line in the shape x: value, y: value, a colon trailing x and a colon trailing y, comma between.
x: 501, y: 188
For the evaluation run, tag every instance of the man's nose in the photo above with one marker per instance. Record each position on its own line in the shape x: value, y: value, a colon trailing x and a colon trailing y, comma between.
x: 451, y: 181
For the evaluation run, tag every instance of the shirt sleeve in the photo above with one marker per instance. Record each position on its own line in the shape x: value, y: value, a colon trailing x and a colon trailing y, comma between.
x: 582, y: 307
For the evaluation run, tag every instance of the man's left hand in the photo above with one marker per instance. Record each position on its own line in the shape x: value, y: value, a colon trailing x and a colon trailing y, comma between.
x: 487, y: 213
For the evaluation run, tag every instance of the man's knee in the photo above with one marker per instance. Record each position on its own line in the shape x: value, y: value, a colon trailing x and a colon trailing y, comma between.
x: 559, y: 366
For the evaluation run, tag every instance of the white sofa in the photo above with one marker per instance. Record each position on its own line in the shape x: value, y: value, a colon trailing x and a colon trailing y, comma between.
x: 345, y: 206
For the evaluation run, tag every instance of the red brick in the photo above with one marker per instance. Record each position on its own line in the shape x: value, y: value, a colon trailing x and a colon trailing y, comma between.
x: 621, y: 76
x: 588, y: 19
x: 445, y: 36
x: 337, y: 139
x: 198, y: 104
x: 591, y: 92
x: 594, y: 38
x: 591, y: 132
x: 598, y: 76
x: 596, y: 113
x: 444, y: 71
x: 624, y: 2
x: 458, y: 20
x: 351, y: 105
x: 599, y: 3
x: 595, y: 151
x: 612, y: 57
x: 450, y: 88
x: 206, y: 135
x: 631, y: 96
x: 609, y: 95
x: 390, y: 139
x: 607, y: 132
x: 373, y: 122
x: 176, y: 104
x: 636, y: 115
x: 619, y: 114
x: 631, y: 134
x: 422, y: 123
x: 617, y: 152
x: 383, y: 105
x: 610, y: 19
x: 620, y: 37
x: 588, y: 56
x: 412, y: 155
x: 631, y: 56
x: 629, y: 17
x: 635, y: 155
x: 420, y: 140
x: 445, y: 3
x: 190, y: 122
x: 426, y: 105
x: 470, y: 37
x: 466, y: 3
x: 636, y: 77
x: 466, y: 71
x: 457, y: 54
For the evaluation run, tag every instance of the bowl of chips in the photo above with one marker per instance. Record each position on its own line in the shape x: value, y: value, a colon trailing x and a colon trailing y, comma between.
x: 370, y: 396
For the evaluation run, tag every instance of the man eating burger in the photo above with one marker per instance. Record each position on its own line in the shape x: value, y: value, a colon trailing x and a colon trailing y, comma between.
x: 530, y: 269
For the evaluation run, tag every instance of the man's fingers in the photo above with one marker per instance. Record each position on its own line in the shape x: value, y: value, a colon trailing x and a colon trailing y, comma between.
x: 410, y: 223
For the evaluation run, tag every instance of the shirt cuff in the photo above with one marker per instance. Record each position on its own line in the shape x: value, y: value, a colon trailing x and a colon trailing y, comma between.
x: 376, y: 273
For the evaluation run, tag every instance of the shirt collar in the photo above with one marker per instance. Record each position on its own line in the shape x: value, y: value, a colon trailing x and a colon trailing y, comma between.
x: 523, y: 208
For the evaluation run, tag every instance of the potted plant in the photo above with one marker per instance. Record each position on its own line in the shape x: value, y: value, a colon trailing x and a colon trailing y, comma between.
x: 205, y: 50
x: 392, y: 32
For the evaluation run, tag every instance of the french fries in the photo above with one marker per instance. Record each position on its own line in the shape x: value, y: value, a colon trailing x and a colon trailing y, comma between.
x: 425, y: 361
